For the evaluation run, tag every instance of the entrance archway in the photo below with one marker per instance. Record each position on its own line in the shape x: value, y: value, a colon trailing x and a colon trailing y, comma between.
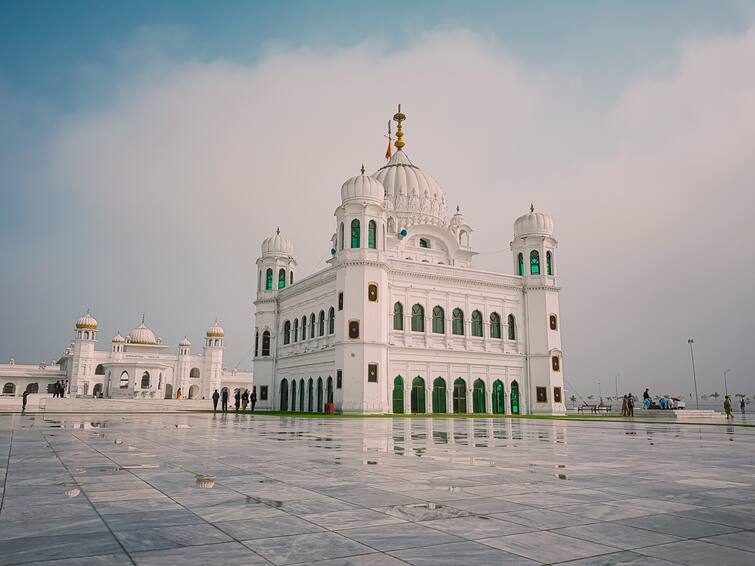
x: 329, y: 390
x: 302, y: 385
x: 319, y: 395
x: 193, y: 391
x: 478, y: 396
x: 514, y: 398
x: 439, y: 395
x: 97, y: 389
x: 310, y: 394
x: 460, y: 396
x: 398, y: 394
x: 499, y: 397
x: 284, y: 395
x: 418, y: 395
x: 293, y: 394
x: 168, y: 391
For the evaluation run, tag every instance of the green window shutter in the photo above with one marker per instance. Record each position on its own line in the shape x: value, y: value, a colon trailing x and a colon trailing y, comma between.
x: 355, y: 235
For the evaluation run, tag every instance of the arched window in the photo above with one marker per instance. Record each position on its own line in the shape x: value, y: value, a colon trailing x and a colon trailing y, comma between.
x: 372, y: 235
x: 194, y: 373
x: 495, y: 325
x: 256, y: 342
x: 476, y: 323
x: 340, y: 236
x: 321, y: 323
x: 534, y: 263
x: 145, y: 380
x: 520, y: 263
x: 556, y: 363
x: 99, y: 370
x: 284, y: 395
x: 460, y: 396
x: 398, y: 316
x: 372, y: 292
x: 282, y: 279
x: 312, y: 333
x: 457, y: 322
x: 512, y: 327
x: 424, y: 243
x: 331, y: 320
x: 287, y: 332
x: 269, y: 279
x: 304, y: 328
x: 124, y: 380
x: 553, y: 321
x: 418, y: 318
x: 296, y: 329
x: 439, y: 320
x: 9, y: 389
x: 355, y: 234
x: 391, y: 225
x: 549, y: 263
x: 266, y: 343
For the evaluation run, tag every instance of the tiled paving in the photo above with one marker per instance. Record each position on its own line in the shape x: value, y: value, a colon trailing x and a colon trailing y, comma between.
x: 122, y: 489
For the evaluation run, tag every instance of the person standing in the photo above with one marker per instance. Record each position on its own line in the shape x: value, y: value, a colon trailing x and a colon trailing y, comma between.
x: 178, y: 393
x: 23, y: 401
x: 56, y: 389
x: 727, y: 407
x: 742, y: 405
x: 625, y: 407
x: 630, y: 405
x: 224, y: 400
x: 237, y: 398
x: 215, y: 397
x: 253, y: 398
x: 245, y: 399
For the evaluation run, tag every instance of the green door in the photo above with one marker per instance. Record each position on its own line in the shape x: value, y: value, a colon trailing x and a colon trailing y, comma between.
x: 293, y: 394
x: 478, y: 397
x: 514, y: 398
x: 460, y: 396
x: 418, y: 395
x: 284, y: 395
x: 439, y: 395
x: 498, y: 397
x: 398, y: 395
x: 310, y: 391
x: 329, y: 397
x: 319, y: 395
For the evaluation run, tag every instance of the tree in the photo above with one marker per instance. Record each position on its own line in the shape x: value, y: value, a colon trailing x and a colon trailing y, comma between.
x: 715, y: 395
x: 573, y: 398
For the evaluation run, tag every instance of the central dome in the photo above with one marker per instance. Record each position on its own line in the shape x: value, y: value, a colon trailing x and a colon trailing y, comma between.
x: 413, y: 194
x: 142, y: 335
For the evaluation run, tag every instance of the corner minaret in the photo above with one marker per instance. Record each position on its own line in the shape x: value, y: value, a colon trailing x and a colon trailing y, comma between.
x: 275, y: 272
x: 214, y: 345
x: 534, y: 250
x: 82, y: 360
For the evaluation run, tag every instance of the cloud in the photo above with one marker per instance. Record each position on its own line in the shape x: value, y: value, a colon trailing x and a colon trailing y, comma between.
x: 169, y: 186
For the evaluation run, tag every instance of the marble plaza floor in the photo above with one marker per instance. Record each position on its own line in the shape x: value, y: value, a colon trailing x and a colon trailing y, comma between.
x: 123, y: 490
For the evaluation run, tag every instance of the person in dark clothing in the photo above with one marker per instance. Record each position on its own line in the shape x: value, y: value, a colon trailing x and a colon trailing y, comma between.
x: 630, y: 405
x: 56, y: 389
x: 26, y: 394
x: 215, y: 397
x: 237, y: 398
x: 253, y: 399
x: 224, y: 400
x: 244, y: 399
x: 646, y: 394
x: 742, y: 405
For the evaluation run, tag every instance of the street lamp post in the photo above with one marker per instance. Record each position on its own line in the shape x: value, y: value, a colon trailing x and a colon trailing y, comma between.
x: 616, y: 382
x: 690, y: 341
x: 726, y: 387
x: 599, y: 394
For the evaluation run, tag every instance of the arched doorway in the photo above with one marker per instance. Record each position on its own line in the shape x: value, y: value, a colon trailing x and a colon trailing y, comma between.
x: 398, y: 394
x: 193, y: 392
x: 329, y: 390
x: 145, y: 380
x: 284, y: 395
x: 478, y: 396
x: 302, y: 385
x: 499, y: 397
x: 97, y: 389
x: 293, y: 394
x: 418, y: 395
x: 460, y: 396
x: 514, y: 398
x: 310, y: 394
x: 168, y: 391
x: 319, y: 395
x: 439, y: 395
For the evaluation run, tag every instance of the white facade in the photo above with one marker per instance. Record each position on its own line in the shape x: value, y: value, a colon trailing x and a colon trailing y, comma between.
x: 136, y: 366
x: 400, y: 320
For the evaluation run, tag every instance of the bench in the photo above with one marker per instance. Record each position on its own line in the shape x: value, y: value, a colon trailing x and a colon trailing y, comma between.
x: 586, y: 407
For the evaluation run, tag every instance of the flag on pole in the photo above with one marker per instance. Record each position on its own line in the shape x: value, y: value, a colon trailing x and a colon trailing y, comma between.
x: 388, y: 151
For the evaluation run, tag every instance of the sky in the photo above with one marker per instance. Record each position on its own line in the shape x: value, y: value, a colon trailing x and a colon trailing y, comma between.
x: 146, y: 150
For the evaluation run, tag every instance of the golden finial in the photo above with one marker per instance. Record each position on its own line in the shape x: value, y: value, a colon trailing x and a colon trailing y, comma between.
x: 362, y: 169
x: 399, y: 117
x: 278, y: 230
x: 532, y: 208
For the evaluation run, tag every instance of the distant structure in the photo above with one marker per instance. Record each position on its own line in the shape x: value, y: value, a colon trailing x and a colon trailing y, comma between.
x: 400, y: 321
x: 137, y: 366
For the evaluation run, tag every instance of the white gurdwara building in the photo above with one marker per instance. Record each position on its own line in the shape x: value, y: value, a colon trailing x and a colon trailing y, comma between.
x: 137, y: 366
x: 400, y: 321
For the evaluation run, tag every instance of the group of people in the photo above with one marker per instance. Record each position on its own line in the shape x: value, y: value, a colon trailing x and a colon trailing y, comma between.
x: 728, y: 407
x: 59, y: 389
x: 242, y: 400
x: 627, y: 406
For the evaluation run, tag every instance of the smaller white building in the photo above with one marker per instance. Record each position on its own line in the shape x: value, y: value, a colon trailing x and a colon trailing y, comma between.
x: 138, y: 365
